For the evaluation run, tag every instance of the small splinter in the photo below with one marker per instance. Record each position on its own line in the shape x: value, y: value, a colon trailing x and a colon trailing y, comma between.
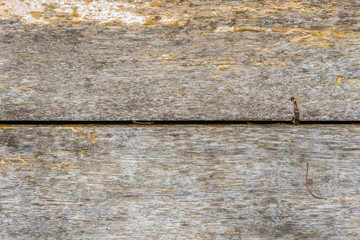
x: 296, y: 116
x: 307, y: 185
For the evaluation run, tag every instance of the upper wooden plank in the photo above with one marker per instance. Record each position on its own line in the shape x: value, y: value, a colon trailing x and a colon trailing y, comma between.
x: 179, y: 60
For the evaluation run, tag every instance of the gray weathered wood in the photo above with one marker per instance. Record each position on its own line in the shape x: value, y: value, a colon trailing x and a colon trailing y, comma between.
x: 213, y: 60
x: 179, y: 182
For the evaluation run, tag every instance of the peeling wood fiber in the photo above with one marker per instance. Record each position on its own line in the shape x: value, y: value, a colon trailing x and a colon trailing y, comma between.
x: 179, y: 60
x: 179, y: 182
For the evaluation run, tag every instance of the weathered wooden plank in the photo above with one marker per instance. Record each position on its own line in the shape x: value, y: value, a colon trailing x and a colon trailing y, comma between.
x: 179, y: 60
x: 179, y: 182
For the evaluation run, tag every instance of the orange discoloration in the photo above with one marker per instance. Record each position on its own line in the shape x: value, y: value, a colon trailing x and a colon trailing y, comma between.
x: 338, y: 80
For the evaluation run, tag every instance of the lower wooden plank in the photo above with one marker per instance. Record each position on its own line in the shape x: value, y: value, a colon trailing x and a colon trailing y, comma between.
x: 179, y: 182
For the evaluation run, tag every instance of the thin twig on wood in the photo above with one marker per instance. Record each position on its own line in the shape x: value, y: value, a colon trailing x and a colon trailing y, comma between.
x: 307, y: 185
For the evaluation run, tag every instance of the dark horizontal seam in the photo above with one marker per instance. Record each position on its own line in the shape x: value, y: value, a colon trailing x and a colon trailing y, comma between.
x: 174, y: 122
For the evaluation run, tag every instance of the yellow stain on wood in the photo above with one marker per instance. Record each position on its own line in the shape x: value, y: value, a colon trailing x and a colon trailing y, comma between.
x: 252, y: 134
x: 48, y: 7
x: 270, y: 63
x: 57, y: 19
x: 252, y: 28
x: 169, y: 56
x: 36, y: 15
x: 93, y: 137
x: 169, y: 19
x: 242, y: 29
x: 239, y: 180
x: 165, y: 191
x: 3, y: 162
x: 176, y: 23
x: 308, y: 35
x: 281, y: 29
x: 320, y: 45
x: 148, y: 21
x: 22, y: 159
x: 116, y: 21
x: 168, y: 15
x: 154, y: 4
x: 193, y: 155
x: 223, y: 67
x: 90, y: 135
x: 338, y: 80
x: 74, y: 14
x: 61, y: 166
x: 353, y: 80
x: 345, y: 201
x: 4, y: 126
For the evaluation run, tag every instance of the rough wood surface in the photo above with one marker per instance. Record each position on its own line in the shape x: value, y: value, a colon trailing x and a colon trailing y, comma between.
x: 179, y: 60
x: 179, y: 182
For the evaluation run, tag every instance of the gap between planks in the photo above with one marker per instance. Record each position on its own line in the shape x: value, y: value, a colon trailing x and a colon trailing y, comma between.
x: 192, y: 122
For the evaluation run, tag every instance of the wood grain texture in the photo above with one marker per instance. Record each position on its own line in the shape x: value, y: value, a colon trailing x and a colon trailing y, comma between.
x: 179, y: 182
x: 182, y: 60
